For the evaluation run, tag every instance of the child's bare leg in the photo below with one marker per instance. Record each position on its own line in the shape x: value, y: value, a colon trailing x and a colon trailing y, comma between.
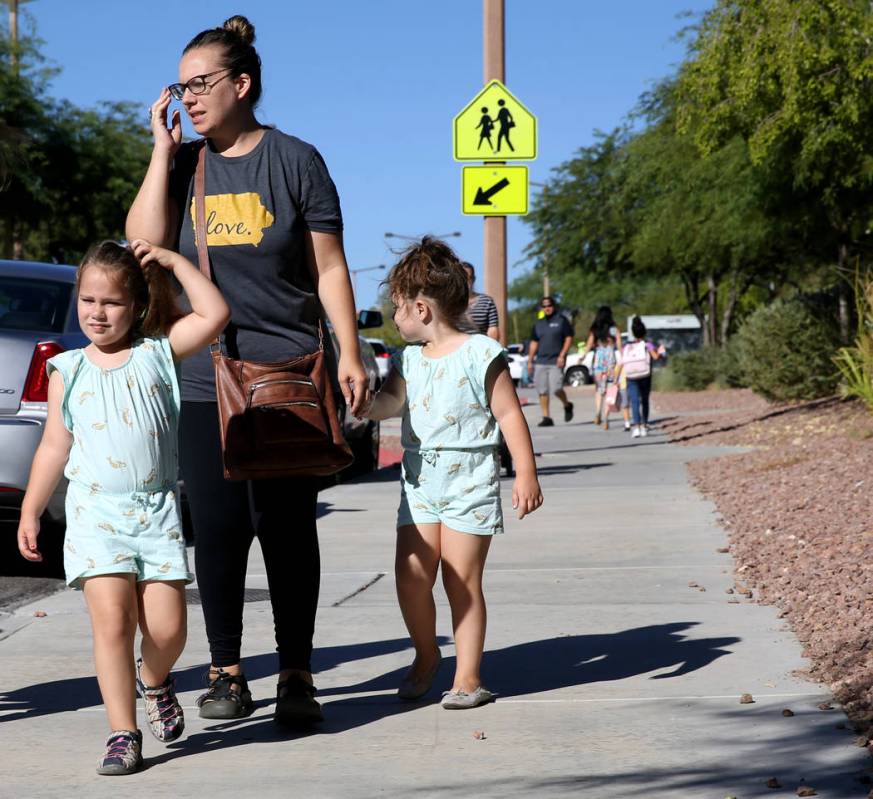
x: 415, y: 568
x: 463, y: 561
x: 163, y: 621
x: 598, y: 399
x: 112, y: 605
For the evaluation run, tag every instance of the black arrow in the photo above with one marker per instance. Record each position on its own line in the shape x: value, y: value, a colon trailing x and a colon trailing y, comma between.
x: 484, y: 197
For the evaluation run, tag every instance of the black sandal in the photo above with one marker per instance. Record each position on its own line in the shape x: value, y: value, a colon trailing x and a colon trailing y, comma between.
x: 295, y: 703
x: 221, y: 701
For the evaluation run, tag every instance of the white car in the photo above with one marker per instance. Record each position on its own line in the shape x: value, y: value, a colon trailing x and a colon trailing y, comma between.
x: 383, y: 358
x: 516, y: 365
x: 578, y: 371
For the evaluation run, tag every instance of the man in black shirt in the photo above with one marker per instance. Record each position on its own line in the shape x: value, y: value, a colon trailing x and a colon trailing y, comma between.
x: 551, y: 339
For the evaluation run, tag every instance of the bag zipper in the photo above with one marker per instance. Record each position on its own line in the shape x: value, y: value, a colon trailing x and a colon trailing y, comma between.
x: 254, y: 386
x: 283, y: 404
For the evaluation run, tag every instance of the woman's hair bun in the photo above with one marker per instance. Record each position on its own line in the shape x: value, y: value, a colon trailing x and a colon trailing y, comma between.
x: 241, y: 27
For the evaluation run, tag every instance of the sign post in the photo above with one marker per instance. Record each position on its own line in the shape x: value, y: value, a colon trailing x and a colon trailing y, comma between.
x: 494, y: 127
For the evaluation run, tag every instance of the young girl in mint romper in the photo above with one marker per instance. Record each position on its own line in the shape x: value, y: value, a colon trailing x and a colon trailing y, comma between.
x: 111, y: 429
x: 456, y: 396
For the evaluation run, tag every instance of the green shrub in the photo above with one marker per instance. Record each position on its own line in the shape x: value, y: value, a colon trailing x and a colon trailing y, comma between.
x: 730, y: 370
x: 786, y: 350
x: 856, y: 363
x: 695, y: 369
x: 666, y: 379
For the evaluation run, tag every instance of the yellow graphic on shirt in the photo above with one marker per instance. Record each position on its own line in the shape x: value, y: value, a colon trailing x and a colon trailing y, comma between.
x: 234, y: 219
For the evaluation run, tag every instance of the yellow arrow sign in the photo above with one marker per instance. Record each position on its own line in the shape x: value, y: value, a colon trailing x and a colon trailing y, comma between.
x: 495, y: 126
x: 494, y: 190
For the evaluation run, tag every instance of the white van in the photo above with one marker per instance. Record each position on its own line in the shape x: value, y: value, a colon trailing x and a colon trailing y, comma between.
x: 677, y: 333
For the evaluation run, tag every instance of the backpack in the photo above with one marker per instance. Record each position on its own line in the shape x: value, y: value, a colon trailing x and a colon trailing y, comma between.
x: 636, y: 360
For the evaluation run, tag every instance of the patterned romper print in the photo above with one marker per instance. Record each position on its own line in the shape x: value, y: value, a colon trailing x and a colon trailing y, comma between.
x: 122, y: 504
x: 450, y: 437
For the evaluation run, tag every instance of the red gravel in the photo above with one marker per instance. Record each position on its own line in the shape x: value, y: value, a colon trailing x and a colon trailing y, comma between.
x: 799, y: 514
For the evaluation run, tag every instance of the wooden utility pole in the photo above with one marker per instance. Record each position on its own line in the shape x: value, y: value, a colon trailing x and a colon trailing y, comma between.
x: 494, y: 63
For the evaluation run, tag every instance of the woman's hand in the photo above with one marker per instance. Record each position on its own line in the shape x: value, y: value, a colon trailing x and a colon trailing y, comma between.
x: 147, y: 253
x: 166, y: 139
x: 526, y: 494
x: 28, y: 531
x: 354, y: 384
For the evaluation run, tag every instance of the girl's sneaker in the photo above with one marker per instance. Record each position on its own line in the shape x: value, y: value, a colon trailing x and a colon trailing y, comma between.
x: 222, y: 701
x: 636, y: 432
x: 644, y: 430
x: 123, y: 753
x: 166, y: 718
x: 460, y: 700
x: 627, y: 427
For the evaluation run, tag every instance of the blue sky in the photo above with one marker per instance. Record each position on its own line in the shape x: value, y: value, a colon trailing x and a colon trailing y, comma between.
x: 375, y: 85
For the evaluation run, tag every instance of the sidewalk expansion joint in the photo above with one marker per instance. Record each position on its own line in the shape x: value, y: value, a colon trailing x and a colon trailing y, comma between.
x: 360, y: 590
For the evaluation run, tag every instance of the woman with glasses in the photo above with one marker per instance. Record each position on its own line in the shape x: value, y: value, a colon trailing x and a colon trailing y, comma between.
x: 274, y: 236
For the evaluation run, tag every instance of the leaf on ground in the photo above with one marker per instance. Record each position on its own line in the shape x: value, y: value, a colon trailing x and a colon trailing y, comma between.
x: 773, y: 783
x: 746, y: 699
x: 40, y: 614
x: 825, y: 706
x: 722, y: 550
x: 806, y: 790
x: 787, y: 713
x: 479, y: 735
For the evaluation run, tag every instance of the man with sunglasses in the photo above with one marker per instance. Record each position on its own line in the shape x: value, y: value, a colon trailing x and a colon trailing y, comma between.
x: 551, y: 339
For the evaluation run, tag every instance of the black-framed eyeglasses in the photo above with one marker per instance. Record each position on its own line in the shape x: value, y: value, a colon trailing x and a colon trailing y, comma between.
x: 197, y: 84
x: 547, y: 306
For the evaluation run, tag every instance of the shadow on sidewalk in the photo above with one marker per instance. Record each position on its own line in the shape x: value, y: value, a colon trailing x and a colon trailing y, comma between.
x: 527, y: 668
x: 76, y: 693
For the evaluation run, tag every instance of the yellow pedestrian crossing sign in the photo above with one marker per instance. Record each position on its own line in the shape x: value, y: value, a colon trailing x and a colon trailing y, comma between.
x: 494, y: 190
x: 495, y: 126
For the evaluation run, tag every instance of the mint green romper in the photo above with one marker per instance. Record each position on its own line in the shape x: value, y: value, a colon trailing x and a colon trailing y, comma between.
x: 450, y: 438
x: 122, y: 505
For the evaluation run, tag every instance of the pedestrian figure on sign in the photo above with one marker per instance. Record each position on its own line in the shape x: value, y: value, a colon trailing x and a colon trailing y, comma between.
x: 506, y: 122
x: 487, y: 125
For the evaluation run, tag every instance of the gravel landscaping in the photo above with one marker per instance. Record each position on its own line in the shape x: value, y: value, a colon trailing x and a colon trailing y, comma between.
x: 798, y: 509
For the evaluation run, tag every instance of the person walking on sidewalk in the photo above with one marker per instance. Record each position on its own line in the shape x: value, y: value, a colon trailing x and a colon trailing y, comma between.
x: 113, y: 413
x: 274, y: 236
x: 636, y: 367
x: 456, y: 395
x: 550, y: 341
x: 602, y: 330
x: 481, y: 308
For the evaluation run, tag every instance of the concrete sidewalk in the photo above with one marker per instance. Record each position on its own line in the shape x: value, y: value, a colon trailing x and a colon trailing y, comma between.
x: 616, y: 677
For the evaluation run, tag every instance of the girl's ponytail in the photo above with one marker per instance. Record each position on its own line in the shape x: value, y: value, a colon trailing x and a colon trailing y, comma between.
x: 161, y: 311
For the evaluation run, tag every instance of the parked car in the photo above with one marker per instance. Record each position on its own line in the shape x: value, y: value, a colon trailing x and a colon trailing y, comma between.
x: 383, y: 358
x: 516, y: 365
x: 578, y: 371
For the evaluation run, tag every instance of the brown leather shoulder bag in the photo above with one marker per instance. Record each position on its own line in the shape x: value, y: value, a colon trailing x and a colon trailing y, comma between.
x: 276, y: 419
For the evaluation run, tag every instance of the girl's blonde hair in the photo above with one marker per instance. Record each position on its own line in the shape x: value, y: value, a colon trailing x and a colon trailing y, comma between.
x: 431, y: 268
x: 154, y: 298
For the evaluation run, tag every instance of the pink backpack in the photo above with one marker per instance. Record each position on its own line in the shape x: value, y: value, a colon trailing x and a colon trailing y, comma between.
x: 636, y: 360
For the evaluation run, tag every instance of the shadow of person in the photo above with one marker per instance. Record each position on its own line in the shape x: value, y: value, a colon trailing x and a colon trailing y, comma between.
x: 76, y: 693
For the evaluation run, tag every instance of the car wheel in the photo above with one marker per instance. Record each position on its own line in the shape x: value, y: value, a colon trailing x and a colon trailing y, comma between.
x: 577, y: 376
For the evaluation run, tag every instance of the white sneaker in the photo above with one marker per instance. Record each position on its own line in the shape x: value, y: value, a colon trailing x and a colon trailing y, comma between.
x: 636, y: 433
x: 644, y: 431
x: 626, y: 426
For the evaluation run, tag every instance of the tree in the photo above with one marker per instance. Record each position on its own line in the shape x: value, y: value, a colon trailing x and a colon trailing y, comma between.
x: 793, y: 79
x: 68, y: 174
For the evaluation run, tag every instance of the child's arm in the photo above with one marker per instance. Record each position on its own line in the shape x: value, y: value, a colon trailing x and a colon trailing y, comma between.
x: 45, y: 471
x: 390, y: 399
x: 209, y: 312
x: 526, y: 493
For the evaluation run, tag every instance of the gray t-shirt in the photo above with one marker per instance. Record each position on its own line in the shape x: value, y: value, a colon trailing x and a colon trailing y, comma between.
x: 550, y: 333
x: 258, y: 207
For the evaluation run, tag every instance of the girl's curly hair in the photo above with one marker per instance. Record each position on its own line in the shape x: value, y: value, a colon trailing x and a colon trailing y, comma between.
x: 432, y: 269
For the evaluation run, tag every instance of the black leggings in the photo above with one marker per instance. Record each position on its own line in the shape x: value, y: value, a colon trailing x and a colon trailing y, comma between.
x: 226, y: 516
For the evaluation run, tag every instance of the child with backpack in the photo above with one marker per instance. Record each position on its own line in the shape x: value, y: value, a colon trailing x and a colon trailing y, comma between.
x: 636, y: 368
